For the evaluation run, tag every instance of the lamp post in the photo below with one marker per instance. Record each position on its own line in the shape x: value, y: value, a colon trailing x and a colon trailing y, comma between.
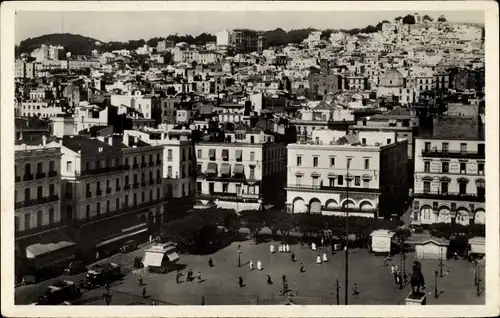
x: 441, y: 266
x: 478, y: 280
x: 239, y: 255
x: 436, y: 284
x: 337, y: 287
x: 347, y: 235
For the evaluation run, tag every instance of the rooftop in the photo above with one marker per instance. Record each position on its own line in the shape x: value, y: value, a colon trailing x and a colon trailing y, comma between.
x: 89, y: 146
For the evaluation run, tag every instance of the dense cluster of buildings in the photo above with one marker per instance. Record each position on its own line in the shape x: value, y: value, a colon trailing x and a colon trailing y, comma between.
x: 109, y: 146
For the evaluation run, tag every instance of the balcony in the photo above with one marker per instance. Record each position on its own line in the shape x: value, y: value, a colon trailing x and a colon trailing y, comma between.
x: 158, y: 162
x: 124, y: 210
x: 151, y: 182
x: 88, y: 195
x: 27, y: 177
x: 135, y: 166
x: 144, y: 183
x: 40, y: 229
x: 136, y: 185
x: 158, y: 180
x: 108, y: 190
x: 99, y: 192
x: 226, y: 196
x: 31, y: 202
x: 52, y: 173
x: 118, y: 188
x: 102, y: 170
x: 144, y: 165
x: 456, y: 196
x: 321, y: 188
x: 40, y: 175
x: 214, y: 177
x: 452, y: 154
x: 126, y: 187
x: 151, y: 163
x: 18, y: 178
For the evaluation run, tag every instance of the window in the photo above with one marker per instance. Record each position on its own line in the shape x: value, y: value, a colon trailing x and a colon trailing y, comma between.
x: 462, y: 187
x: 52, y: 165
x: 427, y: 146
x: 480, y: 149
x: 389, y: 141
x: 340, y: 180
x: 366, y: 183
x: 16, y: 223
x: 332, y: 162
x: 367, y: 164
x: 427, y: 186
x: 357, y: 181
x: 225, y: 187
x: 463, y: 147
x: 169, y: 155
x: 298, y: 180
x: 98, y: 208
x: 39, y: 167
x: 252, y: 172
x: 315, y: 161
x: 51, y: 189
x: 169, y: 172
x: 348, y: 164
x: 252, y: 139
x: 480, y: 168
x: 69, y: 166
x: 315, y: 181
x: 363, y: 141
x: 445, y: 167
x: 39, y: 218
x: 108, y: 204
x: 39, y: 192
x: 427, y: 166
x: 299, y: 161
x: 427, y: 213
x: 463, y: 167
x: 444, y: 187
x: 444, y: 147
x: 252, y: 156
x: 27, y: 221
x: 199, y: 153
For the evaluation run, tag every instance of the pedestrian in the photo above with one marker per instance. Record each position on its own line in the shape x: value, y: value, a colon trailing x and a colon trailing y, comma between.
x: 301, y: 267
x: 199, y: 277
x: 107, y: 287
x: 322, y: 241
x: 325, y: 259
x: 355, y: 289
x: 393, y: 270
x: 177, y: 276
x: 280, y: 248
x: 268, y: 280
x: 241, y: 281
x: 203, y: 300
x: 143, y: 292
x: 333, y: 249
x: 318, y: 260
x: 287, y: 248
x: 251, y: 266
x: 386, y: 259
x: 293, y: 257
x: 271, y: 249
x: 313, y: 246
x: 259, y: 265
x: 400, y: 280
x: 190, y: 275
x: 140, y: 280
x: 210, y: 262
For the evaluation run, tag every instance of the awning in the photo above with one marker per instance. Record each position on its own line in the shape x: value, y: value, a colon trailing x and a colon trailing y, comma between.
x: 332, y: 175
x: 366, y: 177
x: 298, y: 173
x: 225, y: 169
x: 225, y: 154
x: 480, y: 182
x: 153, y: 259
x: 427, y: 178
x: 211, y: 153
x: 445, y: 179
x: 239, y: 154
x: 121, y: 237
x: 463, y: 180
x: 212, y: 168
x: 238, y: 169
x: 38, y: 250
x: 315, y: 174
x: 173, y: 257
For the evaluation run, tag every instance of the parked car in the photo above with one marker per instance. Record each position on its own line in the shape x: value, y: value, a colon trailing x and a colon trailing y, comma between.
x: 129, y: 246
x: 60, y: 292
x: 75, y: 268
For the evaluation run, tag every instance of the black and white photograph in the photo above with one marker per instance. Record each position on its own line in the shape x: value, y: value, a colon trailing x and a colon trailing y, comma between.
x: 206, y: 154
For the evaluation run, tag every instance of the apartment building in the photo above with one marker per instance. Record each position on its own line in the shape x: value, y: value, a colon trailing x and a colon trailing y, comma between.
x: 37, y: 194
x: 449, y: 181
x: 363, y: 173
x: 244, y: 170
x: 142, y: 103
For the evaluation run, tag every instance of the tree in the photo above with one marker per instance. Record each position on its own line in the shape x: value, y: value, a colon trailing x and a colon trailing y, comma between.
x: 427, y: 18
x: 442, y: 19
x: 254, y: 221
x: 398, y: 18
x: 409, y: 19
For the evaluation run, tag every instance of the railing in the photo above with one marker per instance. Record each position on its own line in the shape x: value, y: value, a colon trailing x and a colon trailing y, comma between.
x: 144, y: 165
x: 151, y: 163
x: 88, y: 195
x: 332, y: 188
x: 31, y: 202
x: 39, y: 229
x: 28, y: 177
x: 158, y: 181
x: 158, y: 162
x: 18, y: 178
x: 126, y: 187
x: 118, y: 188
x: 108, y: 190
x: 99, y: 192
x: 151, y: 182
x: 144, y: 183
x: 40, y: 175
x: 453, y: 154
x: 52, y: 173
x: 228, y: 196
x: 136, y: 185
x: 212, y: 177
x: 102, y: 170
x: 135, y: 166
x: 450, y: 196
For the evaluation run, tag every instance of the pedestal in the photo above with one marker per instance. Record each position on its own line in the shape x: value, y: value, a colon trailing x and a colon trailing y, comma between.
x: 416, y: 299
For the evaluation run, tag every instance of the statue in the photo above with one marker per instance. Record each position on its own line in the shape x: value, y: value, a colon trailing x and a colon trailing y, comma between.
x: 417, y: 279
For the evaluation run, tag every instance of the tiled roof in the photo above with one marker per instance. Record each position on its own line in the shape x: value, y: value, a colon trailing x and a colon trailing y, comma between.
x: 457, y: 127
x: 88, y: 146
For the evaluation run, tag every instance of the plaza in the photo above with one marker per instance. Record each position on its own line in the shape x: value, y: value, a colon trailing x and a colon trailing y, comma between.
x: 316, y: 285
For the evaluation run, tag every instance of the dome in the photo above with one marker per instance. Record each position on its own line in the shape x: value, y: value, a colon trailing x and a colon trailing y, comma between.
x: 392, y: 78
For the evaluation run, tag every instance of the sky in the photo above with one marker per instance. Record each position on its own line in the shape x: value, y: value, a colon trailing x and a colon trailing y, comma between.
x: 123, y: 26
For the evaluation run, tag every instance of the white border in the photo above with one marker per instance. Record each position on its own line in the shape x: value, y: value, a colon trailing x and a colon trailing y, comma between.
x: 7, y: 157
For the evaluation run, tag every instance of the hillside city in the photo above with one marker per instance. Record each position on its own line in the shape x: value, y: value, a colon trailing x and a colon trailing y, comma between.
x: 146, y: 164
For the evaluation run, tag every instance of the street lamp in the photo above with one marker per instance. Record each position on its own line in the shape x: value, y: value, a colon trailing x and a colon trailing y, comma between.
x: 337, y: 287
x: 239, y: 255
x: 436, y: 284
x: 441, y: 266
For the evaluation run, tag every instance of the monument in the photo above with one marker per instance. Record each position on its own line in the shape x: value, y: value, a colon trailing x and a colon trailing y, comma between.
x: 416, y: 297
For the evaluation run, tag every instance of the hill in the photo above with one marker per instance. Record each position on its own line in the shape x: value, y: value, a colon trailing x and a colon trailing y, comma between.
x: 74, y: 43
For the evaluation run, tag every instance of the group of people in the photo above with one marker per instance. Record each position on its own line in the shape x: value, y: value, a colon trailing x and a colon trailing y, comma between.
x: 398, y: 277
x: 282, y: 248
x: 259, y: 265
